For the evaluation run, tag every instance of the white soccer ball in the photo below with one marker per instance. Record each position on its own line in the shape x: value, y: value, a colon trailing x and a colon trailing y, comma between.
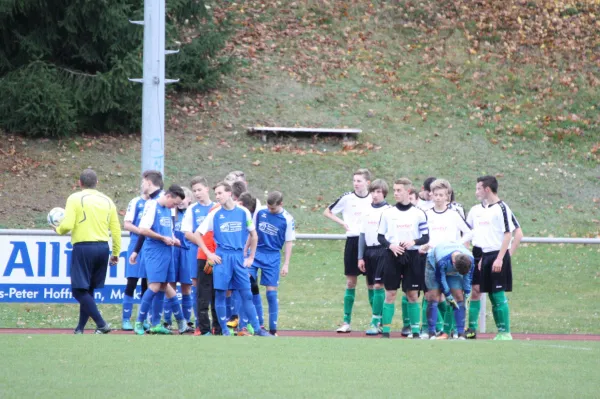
x: 55, y: 216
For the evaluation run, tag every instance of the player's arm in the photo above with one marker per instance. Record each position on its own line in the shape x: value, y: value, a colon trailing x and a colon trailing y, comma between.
x: 205, y: 227
x: 497, y: 265
x: 130, y: 217
x: 115, y: 232
x: 440, y: 276
x: 68, y: 222
x: 331, y: 211
x: 468, y: 279
x: 253, y: 239
x: 187, y: 225
x: 516, y: 241
x: 362, y: 245
x: 465, y: 229
x: 287, y: 255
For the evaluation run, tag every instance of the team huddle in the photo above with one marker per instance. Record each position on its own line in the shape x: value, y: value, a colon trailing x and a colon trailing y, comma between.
x: 214, y: 250
x: 421, y: 244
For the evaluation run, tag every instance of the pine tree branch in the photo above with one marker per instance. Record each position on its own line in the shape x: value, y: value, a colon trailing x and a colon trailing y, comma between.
x: 77, y: 73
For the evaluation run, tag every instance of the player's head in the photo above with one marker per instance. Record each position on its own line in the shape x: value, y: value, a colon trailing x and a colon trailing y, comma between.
x: 413, y: 196
x: 275, y: 202
x: 174, y: 196
x: 152, y: 180
x: 88, y: 179
x: 462, y: 263
x: 199, y: 187
x: 439, y: 191
x: 248, y: 201
x: 486, y: 185
x: 361, y: 180
x: 378, y: 190
x: 187, y: 200
x: 236, y: 175
x: 222, y: 192
x: 426, y: 189
x: 402, y: 187
x: 237, y: 188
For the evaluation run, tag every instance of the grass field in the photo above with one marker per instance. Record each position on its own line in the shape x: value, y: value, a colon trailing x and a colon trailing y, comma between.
x: 126, y: 366
x: 555, y: 291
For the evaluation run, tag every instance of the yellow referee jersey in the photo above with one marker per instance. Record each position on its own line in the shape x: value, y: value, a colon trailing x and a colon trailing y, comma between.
x: 89, y: 215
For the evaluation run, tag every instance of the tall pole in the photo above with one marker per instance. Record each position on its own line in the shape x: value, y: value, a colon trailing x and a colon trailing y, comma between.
x: 153, y: 89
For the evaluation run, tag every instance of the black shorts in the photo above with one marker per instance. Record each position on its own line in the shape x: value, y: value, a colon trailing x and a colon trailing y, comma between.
x: 494, y: 282
x: 89, y: 263
x: 477, y: 254
x: 374, y: 262
x: 414, y: 271
x: 351, y: 257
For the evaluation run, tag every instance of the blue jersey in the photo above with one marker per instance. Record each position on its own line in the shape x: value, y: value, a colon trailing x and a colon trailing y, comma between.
x: 194, y: 216
x: 230, y: 227
x: 274, y: 230
x: 158, y: 219
x: 440, y: 258
x: 134, y: 213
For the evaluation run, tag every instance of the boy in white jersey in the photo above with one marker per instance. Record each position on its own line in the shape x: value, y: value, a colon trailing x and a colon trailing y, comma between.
x: 425, y: 196
x: 352, y: 206
x: 445, y: 225
x: 493, y: 232
x: 402, y: 229
x: 371, y: 254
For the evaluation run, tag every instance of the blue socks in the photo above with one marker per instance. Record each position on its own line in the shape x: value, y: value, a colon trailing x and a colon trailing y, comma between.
x: 432, y: 316
x: 145, y: 305
x: 157, y: 307
x: 256, y: 299
x: 167, y: 311
x: 273, y: 309
x: 221, y: 309
x: 237, y: 302
x: 127, y: 307
x: 250, y: 310
x: 175, y: 308
x: 187, y: 306
x: 228, y: 305
x: 459, y: 316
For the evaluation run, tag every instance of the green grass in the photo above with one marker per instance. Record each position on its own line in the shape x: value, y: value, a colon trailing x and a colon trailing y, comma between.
x: 555, y: 291
x: 124, y: 366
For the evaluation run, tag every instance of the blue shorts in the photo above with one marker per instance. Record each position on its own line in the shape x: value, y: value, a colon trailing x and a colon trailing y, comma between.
x: 137, y: 270
x: 89, y: 264
x: 192, y: 260
x: 158, y: 262
x: 181, y: 266
x: 269, y: 263
x: 231, y: 273
x: 455, y: 282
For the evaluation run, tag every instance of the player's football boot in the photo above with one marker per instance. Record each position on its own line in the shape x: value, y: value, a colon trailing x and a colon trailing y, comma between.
x: 345, y: 328
x: 244, y: 333
x: 406, y: 331
x: 372, y: 330
x: 233, y: 321
x: 126, y: 325
x: 138, y: 328
x: 104, y: 330
x: 471, y: 333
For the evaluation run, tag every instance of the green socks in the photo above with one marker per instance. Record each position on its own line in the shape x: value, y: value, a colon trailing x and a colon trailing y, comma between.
x: 387, y: 316
x: 500, y: 311
x: 348, y: 304
x: 378, y: 298
x: 405, y: 318
x: 414, y: 315
x: 370, y: 292
x: 474, y: 308
x: 442, y: 309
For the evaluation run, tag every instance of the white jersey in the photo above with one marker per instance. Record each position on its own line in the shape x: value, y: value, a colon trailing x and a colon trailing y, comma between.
x: 446, y: 226
x: 458, y: 208
x: 353, y: 208
x: 490, y: 224
x: 425, y: 205
x: 370, y: 224
x: 398, y: 226
x: 473, y: 217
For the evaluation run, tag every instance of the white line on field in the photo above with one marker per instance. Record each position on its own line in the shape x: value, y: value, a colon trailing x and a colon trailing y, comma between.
x: 579, y: 348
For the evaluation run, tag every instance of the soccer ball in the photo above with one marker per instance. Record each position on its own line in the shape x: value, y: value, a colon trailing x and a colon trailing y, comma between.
x: 55, y: 216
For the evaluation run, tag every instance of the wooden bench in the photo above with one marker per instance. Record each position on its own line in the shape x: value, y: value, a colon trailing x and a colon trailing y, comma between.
x: 264, y: 131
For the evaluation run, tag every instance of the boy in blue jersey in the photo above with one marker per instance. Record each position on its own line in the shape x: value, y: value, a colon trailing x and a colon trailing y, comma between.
x: 133, y: 272
x: 232, y: 225
x: 449, y: 269
x: 181, y: 264
x: 201, y: 281
x: 276, y: 231
x: 157, y: 226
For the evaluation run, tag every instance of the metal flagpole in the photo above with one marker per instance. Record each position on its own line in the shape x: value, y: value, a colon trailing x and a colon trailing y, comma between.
x: 153, y: 89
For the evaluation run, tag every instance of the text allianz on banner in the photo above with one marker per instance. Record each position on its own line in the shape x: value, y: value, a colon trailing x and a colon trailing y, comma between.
x: 36, y: 268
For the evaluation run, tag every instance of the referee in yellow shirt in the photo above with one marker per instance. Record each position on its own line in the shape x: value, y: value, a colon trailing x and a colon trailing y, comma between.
x: 89, y: 215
